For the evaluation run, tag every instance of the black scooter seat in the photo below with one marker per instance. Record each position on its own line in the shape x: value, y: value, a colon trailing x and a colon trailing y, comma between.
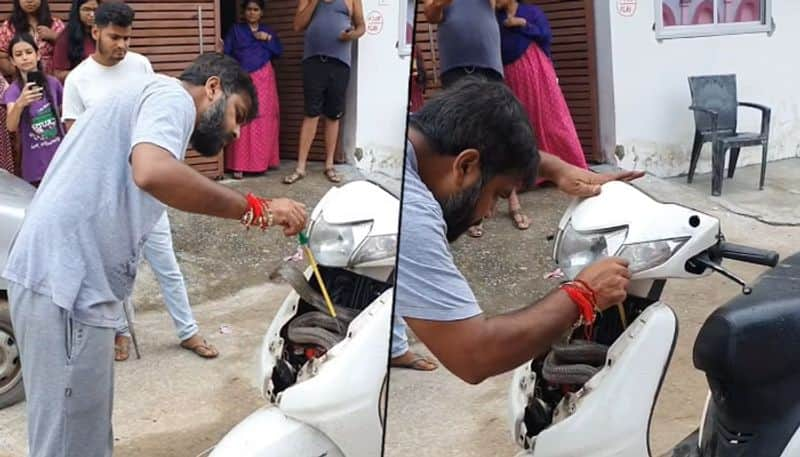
x: 755, y: 338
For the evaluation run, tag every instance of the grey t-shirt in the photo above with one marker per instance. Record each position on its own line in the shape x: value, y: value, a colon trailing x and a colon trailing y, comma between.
x: 429, y: 286
x: 84, y: 230
x: 469, y: 36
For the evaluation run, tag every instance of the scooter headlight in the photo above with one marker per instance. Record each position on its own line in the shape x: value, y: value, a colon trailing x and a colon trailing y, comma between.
x: 644, y: 256
x: 333, y: 245
x: 376, y: 248
x: 576, y: 250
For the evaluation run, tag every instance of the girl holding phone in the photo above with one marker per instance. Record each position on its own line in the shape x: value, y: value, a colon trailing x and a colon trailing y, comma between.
x: 32, y: 101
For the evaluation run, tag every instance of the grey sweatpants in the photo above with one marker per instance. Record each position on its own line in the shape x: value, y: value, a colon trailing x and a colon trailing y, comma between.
x: 67, y: 369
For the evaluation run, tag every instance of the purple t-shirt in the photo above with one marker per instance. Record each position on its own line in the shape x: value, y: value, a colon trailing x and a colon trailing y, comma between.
x: 39, y: 131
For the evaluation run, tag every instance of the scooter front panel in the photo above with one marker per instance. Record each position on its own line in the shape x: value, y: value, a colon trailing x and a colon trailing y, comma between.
x: 270, y: 433
x: 342, y: 398
x: 611, y: 417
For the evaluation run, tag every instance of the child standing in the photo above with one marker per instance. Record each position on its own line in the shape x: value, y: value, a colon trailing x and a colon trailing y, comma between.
x: 32, y: 104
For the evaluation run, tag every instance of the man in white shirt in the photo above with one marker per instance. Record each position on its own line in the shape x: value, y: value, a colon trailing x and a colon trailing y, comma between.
x: 106, y: 69
x: 112, y: 68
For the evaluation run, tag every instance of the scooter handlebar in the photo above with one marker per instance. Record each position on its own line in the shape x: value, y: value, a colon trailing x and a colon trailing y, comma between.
x: 748, y: 254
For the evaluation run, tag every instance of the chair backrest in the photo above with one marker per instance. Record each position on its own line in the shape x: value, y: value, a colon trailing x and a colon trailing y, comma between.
x: 716, y: 92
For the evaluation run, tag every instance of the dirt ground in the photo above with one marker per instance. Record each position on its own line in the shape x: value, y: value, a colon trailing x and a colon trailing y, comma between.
x: 435, y: 414
x: 172, y: 403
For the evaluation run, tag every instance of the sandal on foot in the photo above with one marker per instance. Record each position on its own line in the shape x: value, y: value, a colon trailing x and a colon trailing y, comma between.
x: 413, y: 361
x: 330, y: 173
x: 475, y: 231
x: 122, y: 347
x: 521, y: 221
x: 296, y: 175
x: 200, y: 347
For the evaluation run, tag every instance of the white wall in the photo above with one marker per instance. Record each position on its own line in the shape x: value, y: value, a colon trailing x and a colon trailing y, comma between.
x: 605, y: 79
x: 651, y: 91
x: 381, y: 98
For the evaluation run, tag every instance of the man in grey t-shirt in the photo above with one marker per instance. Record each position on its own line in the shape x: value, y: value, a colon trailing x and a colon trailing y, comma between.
x: 466, y: 148
x: 74, y: 260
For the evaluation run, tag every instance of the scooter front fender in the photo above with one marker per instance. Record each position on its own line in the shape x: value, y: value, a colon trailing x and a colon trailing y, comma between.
x: 270, y: 433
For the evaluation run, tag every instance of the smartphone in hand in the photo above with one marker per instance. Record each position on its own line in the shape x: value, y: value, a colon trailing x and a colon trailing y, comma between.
x: 37, y: 78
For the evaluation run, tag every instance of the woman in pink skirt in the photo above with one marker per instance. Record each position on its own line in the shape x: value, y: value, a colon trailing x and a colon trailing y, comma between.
x: 254, y: 45
x: 525, y: 40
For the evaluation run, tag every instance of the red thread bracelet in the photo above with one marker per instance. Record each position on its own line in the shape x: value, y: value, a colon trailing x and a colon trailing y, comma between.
x: 258, y: 212
x: 584, y: 298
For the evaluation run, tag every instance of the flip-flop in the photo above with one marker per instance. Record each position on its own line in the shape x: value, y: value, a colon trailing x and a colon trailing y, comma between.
x: 475, y: 231
x: 294, y: 177
x: 122, y: 346
x: 521, y: 221
x: 418, y: 362
x: 330, y: 173
x: 201, y: 348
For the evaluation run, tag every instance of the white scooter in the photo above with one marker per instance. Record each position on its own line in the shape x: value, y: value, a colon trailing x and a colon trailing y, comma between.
x: 325, y: 379
x: 596, y: 398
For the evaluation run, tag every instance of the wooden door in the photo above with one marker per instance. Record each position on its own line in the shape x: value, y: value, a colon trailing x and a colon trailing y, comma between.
x: 171, y: 33
x: 574, y: 58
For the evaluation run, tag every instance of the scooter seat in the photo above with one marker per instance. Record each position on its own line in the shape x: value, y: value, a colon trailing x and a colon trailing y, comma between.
x: 754, y: 339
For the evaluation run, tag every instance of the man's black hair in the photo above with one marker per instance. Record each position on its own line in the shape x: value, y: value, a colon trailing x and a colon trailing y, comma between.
x: 234, y: 80
x: 114, y: 13
x: 485, y: 115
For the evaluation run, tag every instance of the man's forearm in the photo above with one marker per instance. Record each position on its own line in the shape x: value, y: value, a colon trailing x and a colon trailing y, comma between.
x: 550, y: 166
x: 194, y: 193
x: 177, y: 185
x: 509, y: 340
x: 477, y: 348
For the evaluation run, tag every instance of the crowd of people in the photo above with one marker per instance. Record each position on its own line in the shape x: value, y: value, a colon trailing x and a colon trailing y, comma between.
x: 59, y: 49
x: 52, y: 72
x: 503, y: 40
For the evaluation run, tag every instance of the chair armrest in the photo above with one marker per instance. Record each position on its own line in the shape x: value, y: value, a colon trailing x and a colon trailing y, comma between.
x: 755, y: 105
x: 704, y: 110
x: 766, y: 114
x: 714, y: 115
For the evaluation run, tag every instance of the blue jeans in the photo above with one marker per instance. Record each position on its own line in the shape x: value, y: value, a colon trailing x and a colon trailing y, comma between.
x: 159, y: 253
x: 399, y: 337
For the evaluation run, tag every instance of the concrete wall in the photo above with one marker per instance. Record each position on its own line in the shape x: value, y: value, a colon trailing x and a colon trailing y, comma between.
x: 652, y: 127
x: 605, y: 80
x: 379, y: 92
